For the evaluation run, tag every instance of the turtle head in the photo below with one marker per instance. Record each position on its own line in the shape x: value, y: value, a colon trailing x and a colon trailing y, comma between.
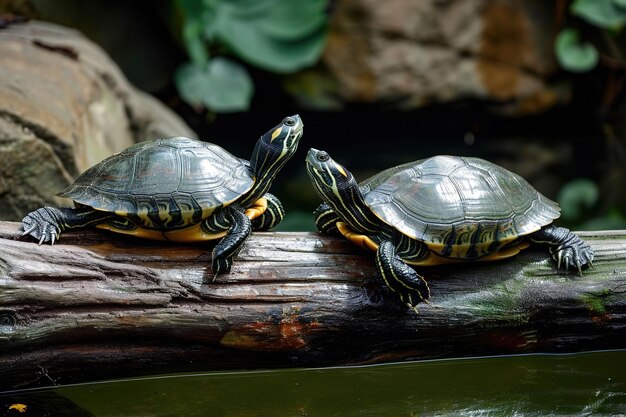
x: 276, y: 146
x: 272, y: 151
x: 332, y: 182
x: 337, y: 187
x: 325, y: 172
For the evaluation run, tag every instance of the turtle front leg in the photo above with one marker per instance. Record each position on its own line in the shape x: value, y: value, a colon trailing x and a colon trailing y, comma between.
x: 400, y: 277
x: 273, y: 214
x: 326, y: 220
x: 566, y: 247
x: 239, y: 228
x: 47, y: 223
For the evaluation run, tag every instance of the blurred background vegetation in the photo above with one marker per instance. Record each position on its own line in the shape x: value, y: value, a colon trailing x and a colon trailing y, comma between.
x: 536, y: 86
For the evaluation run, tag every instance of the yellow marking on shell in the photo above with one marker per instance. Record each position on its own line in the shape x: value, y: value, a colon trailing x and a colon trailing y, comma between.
x: 340, y: 169
x: 275, y: 133
x: 256, y: 209
x: 143, y: 215
x: 165, y: 215
x: 193, y: 233
x: 189, y: 234
x: 433, y: 258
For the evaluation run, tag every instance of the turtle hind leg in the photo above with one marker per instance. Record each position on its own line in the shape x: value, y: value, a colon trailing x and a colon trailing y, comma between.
x: 400, y: 277
x: 326, y: 220
x: 565, y: 247
x: 47, y: 223
x: 239, y: 228
x: 273, y: 214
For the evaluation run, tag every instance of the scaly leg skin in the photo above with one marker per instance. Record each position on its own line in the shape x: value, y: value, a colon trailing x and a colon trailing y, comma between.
x: 239, y: 228
x: 270, y: 218
x: 566, y: 247
x: 400, y: 277
x: 46, y: 224
x: 326, y: 220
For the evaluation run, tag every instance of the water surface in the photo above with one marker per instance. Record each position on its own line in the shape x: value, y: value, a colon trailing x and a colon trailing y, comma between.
x: 535, y: 385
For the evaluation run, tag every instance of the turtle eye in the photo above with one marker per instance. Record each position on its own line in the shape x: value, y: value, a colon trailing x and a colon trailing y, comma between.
x: 289, y: 121
x: 323, y: 157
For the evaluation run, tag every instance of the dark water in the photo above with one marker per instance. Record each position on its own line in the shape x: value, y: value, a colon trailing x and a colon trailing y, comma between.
x: 591, y: 384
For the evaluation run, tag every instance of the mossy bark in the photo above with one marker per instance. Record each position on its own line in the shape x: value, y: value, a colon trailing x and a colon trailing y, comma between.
x: 98, y: 305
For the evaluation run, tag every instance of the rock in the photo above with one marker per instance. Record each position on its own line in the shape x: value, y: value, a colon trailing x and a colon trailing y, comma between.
x: 413, y: 53
x: 64, y: 106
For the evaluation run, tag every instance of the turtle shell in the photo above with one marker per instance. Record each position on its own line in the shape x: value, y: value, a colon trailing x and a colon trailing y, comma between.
x: 165, y: 183
x: 448, y: 200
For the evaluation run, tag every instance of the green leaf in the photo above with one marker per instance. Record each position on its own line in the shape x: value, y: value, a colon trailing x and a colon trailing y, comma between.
x: 620, y: 3
x: 607, y: 14
x: 193, y: 25
x: 263, y: 52
x: 276, y: 35
x: 572, y: 55
x: 222, y: 85
x: 194, y: 41
x: 292, y: 20
x: 576, y: 197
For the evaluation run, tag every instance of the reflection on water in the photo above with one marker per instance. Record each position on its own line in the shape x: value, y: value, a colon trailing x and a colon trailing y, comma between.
x: 536, y: 385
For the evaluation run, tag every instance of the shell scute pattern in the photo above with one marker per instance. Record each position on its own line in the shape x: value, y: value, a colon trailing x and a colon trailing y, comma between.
x: 451, y: 202
x: 163, y: 183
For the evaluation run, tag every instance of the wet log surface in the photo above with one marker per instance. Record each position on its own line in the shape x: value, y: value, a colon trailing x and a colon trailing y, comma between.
x: 98, y: 306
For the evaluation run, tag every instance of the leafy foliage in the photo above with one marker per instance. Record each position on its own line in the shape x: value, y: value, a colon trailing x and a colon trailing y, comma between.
x: 220, y: 84
x: 572, y: 55
x: 579, y: 200
x: 577, y: 197
x: 608, y: 16
x: 274, y: 35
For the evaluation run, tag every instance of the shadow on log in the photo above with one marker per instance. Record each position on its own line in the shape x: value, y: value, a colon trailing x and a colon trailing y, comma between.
x: 98, y: 306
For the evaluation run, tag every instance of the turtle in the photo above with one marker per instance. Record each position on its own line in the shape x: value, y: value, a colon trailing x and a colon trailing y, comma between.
x: 177, y: 189
x: 443, y: 209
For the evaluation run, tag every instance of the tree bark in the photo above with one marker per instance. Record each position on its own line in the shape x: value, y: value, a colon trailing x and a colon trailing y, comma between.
x: 98, y: 305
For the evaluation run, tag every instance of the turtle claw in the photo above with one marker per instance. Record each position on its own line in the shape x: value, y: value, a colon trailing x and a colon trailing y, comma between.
x: 221, y: 266
x: 566, y: 248
x: 42, y: 224
x: 30, y: 229
x: 575, y: 256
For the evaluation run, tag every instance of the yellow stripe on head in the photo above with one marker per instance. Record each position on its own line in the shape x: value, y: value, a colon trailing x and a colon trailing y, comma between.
x: 340, y: 169
x: 276, y: 133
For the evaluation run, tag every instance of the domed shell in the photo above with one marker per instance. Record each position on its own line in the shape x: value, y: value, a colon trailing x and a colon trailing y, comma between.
x: 173, y: 175
x: 433, y: 199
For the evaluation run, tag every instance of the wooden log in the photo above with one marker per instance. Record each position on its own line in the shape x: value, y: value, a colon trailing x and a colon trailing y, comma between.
x: 98, y: 305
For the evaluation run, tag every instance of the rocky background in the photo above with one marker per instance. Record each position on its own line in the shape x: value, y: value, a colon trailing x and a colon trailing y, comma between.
x: 398, y: 80
x: 64, y: 106
x: 415, y: 54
